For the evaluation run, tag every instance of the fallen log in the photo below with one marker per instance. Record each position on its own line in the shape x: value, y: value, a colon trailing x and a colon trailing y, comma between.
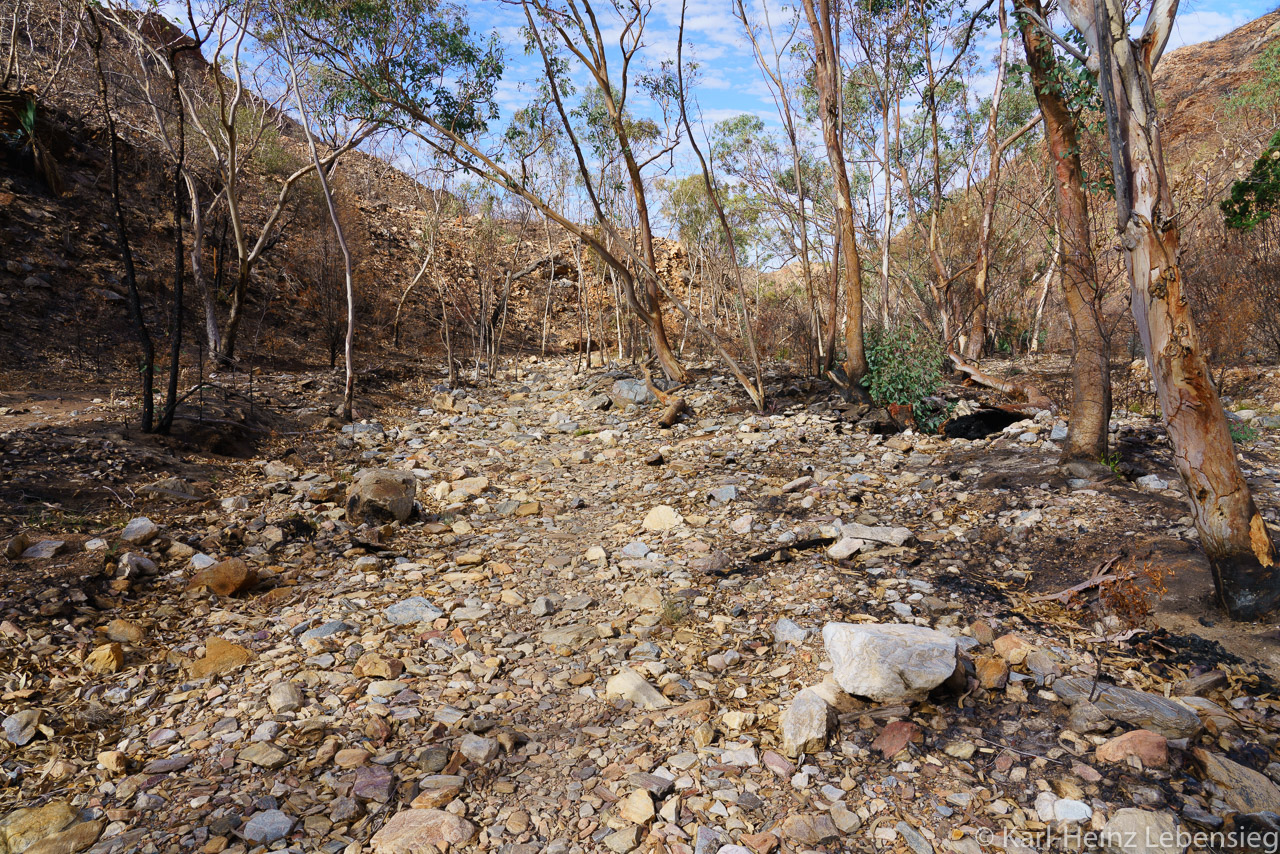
x: 1035, y: 398
x: 675, y: 405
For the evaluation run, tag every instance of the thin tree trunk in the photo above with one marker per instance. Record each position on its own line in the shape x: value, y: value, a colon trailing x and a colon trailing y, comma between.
x: 827, y: 81
x: 349, y: 392
x: 148, y: 366
x: 978, y: 326
x: 1046, y: 283
x: 1090, y: 368
x: 1233, y: 533
x: 175, y: 332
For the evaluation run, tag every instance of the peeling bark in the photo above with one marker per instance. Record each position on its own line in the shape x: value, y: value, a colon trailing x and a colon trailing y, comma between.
x: 1233, y: 534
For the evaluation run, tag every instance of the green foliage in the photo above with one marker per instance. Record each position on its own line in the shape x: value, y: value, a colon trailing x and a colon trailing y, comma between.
x: 1253, y: 199
x: 409, y: 61
x: 905, y: 366
x: 1261, y: 94
x: 1242, y: 433
x: 1111, y: 461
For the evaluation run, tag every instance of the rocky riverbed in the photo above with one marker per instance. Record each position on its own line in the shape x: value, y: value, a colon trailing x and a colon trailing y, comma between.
x: 530, y: 620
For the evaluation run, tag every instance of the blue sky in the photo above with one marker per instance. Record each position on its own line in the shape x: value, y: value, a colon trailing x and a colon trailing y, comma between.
x: 731, y: 83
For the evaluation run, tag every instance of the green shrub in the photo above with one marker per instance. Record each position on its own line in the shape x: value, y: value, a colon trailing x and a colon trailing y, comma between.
x: 904, y: 366
x: 1243, y: 433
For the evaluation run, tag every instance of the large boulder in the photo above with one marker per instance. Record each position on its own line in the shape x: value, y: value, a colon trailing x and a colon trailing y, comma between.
x: 381, y: 495
x: 889, y: 663
x: 632, y: 391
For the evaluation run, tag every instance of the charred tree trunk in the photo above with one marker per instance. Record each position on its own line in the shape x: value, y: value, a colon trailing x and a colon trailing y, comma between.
x: 175, y: 331
x: 1090, y: 367
x: 148, y: 366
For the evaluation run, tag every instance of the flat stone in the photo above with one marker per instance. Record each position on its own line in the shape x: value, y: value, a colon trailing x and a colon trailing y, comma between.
x: 374, y: 783
x: 264, y: 755
x: 479, y: 749
x: 140, y: 531
x: 43, y: 550
x: 623, y: 841
x: 267, y: 826
x: 416, y: 831
x: 75, y: 838
x: 1137, y: 708
x: 626, y: 684
x: 21, y: 727
x: 662, y: 518
x: 285, y: 697
x: 1242, y: 788
x: 21, y: 829
x: 845, y: 548
x: 1135, y: 831
x: 437, y: 790
x: 891, y: 662
x: 416, y: 609
x: 787, y: 631
x: 327, y: 629
x: 883, y: 535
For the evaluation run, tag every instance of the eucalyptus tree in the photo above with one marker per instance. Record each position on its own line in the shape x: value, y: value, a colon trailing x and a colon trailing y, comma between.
x: 1232, y: 532
x: 1062, y: 91
x: 417, y: 65
x: 793, y: 194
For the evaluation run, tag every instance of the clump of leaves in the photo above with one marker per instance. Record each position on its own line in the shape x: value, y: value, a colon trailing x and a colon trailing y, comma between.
x: 1242, y: 433
x: 673, y: 612
x: 904, y: 366
x: 1130, y: 594
x: 1111, y: 461
x: 1254, y: 198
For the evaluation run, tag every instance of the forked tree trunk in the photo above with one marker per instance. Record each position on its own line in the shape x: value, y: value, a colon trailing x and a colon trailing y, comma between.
x: 1232, y: 532
x: 1090, y: 368
x: 978, y: 325
x: 827, y: 81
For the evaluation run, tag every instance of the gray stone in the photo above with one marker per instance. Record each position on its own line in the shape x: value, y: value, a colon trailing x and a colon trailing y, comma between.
x: 324, y: 630
x: 632, y: 391
x: 787, y: 631
x: 479, y: 749
x: 267, y: 826
x: 1135, y: 831
x: 21, y: 727
x: 140, y: 531
x: 724, y: 494
x: 884, y: 535
x: 285, y: 697
x: 635, y: 550
x: 1147, y: 711
x: 416, y: 609
x: 381, y: 495
x: 43, y: 550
